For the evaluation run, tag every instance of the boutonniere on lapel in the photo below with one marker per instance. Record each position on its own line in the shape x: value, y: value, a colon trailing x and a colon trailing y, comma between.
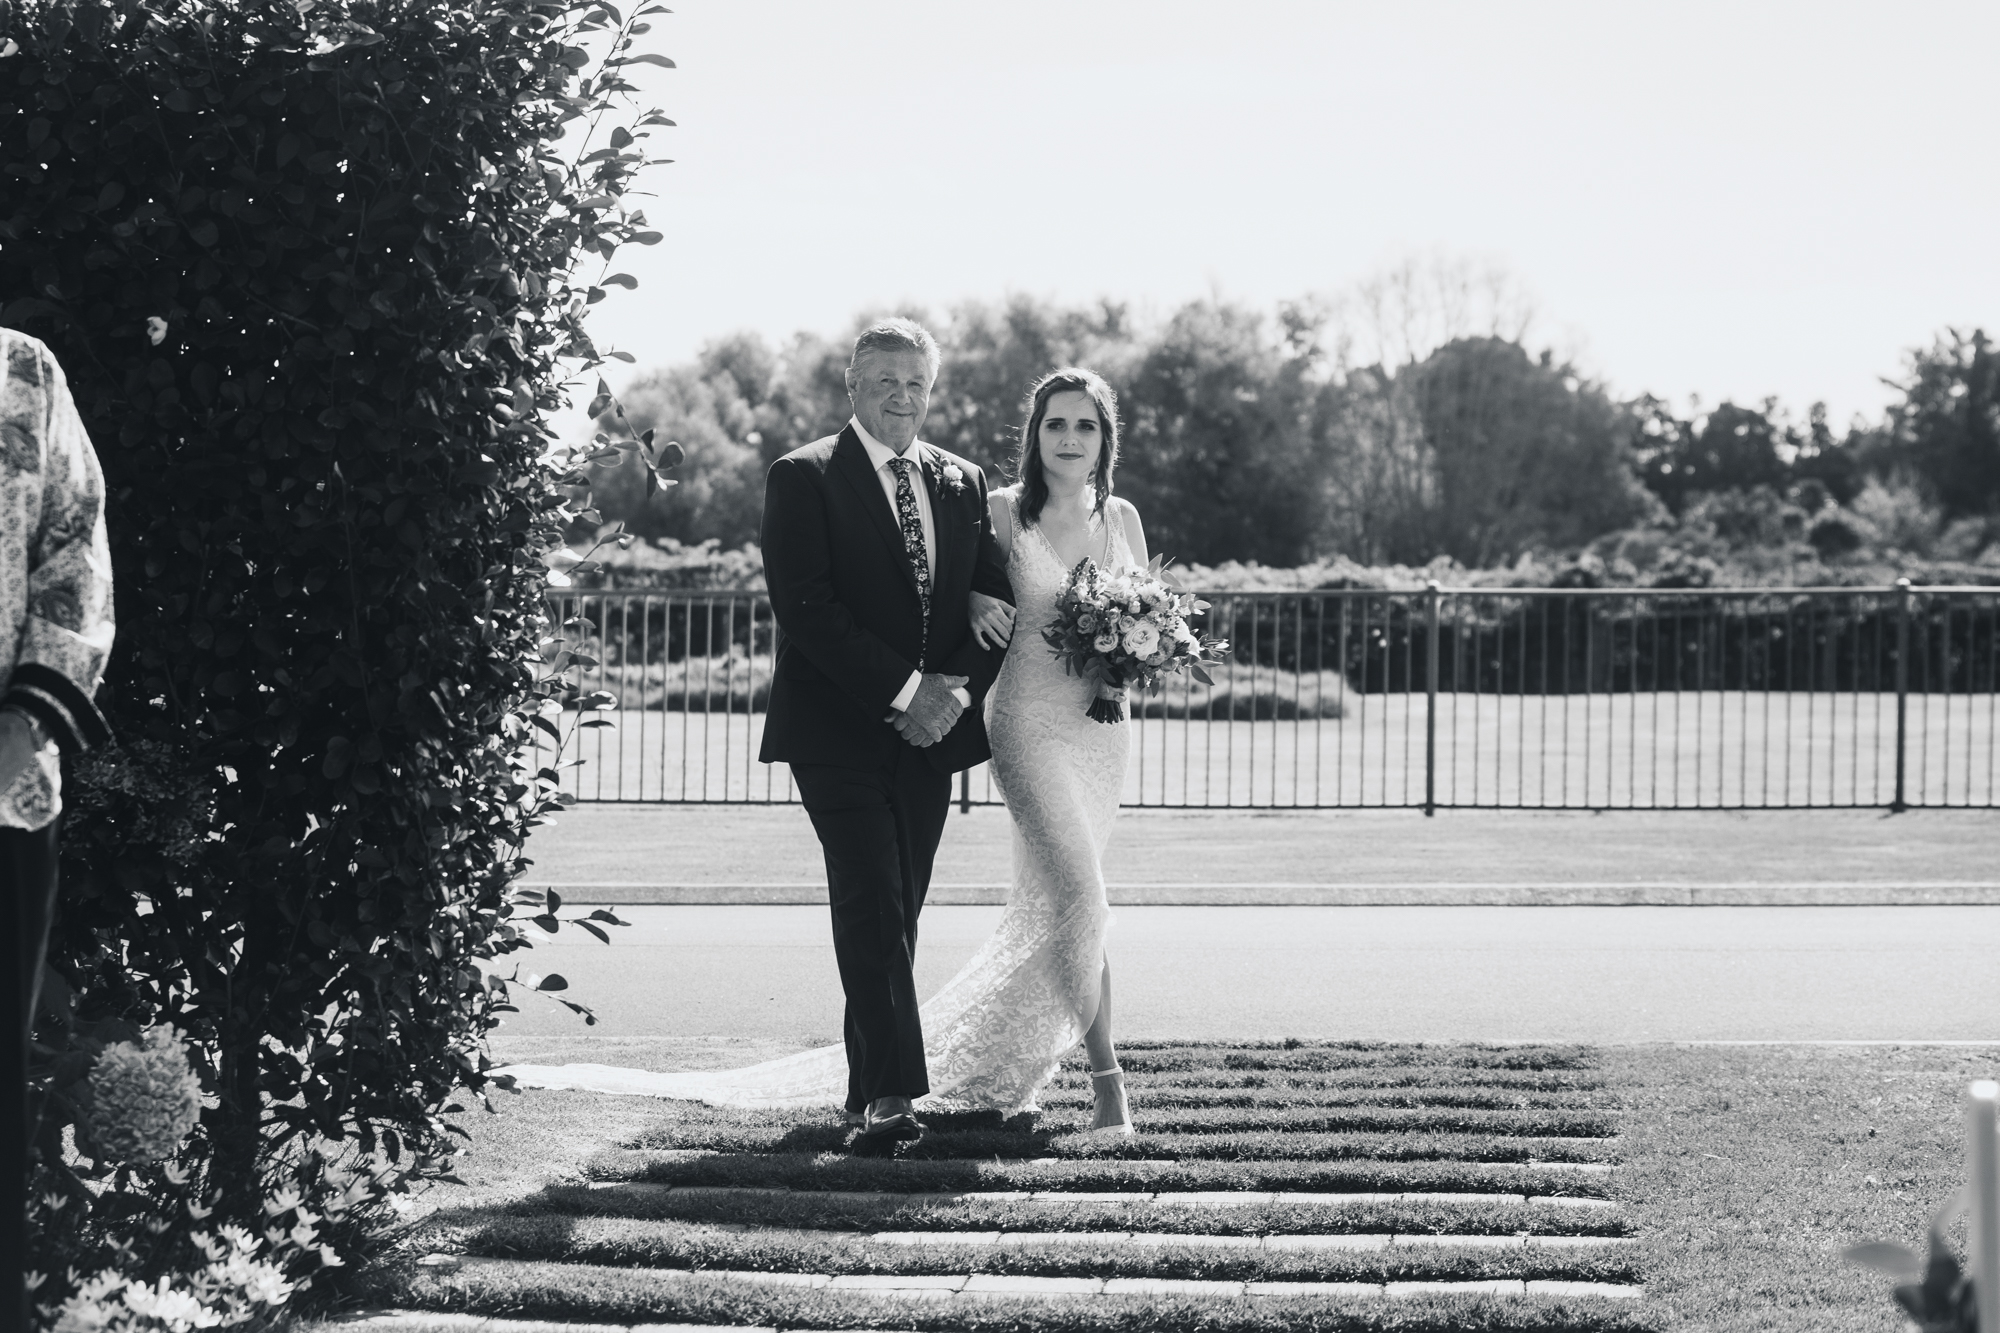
x: 953, y: 477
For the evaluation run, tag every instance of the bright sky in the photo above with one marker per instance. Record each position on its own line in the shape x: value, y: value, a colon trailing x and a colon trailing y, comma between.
x: 1731, y: 199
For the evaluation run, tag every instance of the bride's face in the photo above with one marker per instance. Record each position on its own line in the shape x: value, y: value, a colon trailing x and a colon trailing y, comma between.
x: 1072, y: 437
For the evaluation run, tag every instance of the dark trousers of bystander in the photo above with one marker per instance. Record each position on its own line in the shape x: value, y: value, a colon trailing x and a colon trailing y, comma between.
x: 28, y: 885
x: 879, y: 829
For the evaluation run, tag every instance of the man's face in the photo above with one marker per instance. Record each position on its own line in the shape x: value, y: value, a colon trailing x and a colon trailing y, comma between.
x: 891, y: 391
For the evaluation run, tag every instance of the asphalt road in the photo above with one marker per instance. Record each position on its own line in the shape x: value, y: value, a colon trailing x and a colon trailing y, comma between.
x: 765, y: 974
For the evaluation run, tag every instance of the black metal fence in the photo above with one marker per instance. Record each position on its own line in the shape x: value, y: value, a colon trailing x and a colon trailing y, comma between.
x: 1434, y: 698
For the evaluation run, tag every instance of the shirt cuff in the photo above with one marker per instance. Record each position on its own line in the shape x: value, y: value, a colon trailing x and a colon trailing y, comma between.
x: 901, y: 703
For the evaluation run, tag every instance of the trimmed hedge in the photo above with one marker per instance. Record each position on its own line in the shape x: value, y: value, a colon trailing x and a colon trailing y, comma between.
x: 307, y: 268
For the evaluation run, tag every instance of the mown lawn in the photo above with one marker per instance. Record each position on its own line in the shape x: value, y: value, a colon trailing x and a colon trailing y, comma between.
x: 1738, y: 1175
x: 1670, y: 748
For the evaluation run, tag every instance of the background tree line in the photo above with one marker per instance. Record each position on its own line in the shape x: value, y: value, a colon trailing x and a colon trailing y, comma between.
x: 1397, y: 427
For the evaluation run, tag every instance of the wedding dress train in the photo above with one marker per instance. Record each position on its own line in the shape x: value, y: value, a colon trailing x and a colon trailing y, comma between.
x: 996, y: 1033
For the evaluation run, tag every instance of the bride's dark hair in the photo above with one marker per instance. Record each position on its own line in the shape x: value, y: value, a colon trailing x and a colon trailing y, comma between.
x: 1028, y: 456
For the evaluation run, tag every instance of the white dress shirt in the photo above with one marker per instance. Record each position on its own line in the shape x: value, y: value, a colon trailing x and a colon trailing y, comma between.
x: 880, y: 456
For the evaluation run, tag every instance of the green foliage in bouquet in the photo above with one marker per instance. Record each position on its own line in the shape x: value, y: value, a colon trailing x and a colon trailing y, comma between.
x: 313, y: 269
x: 1132, y: 629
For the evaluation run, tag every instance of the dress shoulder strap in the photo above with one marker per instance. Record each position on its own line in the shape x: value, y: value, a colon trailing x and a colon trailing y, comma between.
x: 1117, y: 551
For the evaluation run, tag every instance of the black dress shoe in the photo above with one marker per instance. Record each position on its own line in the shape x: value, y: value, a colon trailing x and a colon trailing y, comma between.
x: 902, y: 1126
x: 881, y: 1136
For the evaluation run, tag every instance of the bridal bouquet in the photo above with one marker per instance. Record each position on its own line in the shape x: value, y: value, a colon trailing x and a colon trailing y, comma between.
x: 1128, y: 630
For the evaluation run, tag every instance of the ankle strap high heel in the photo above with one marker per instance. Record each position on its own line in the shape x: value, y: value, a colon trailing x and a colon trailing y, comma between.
x: 1125, y: 1127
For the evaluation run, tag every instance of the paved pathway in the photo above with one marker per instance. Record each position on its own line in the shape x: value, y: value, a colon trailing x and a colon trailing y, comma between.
x: 1594, y: 974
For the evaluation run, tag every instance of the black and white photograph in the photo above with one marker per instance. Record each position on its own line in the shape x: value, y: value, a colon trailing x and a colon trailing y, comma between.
x: 932, y: 666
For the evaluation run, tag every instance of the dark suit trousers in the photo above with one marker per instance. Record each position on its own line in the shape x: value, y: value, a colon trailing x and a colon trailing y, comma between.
x: 879, y: 829
x: 28, y: 888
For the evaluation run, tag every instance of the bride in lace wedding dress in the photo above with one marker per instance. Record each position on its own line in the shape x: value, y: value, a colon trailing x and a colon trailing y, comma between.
x: 997, y: 1032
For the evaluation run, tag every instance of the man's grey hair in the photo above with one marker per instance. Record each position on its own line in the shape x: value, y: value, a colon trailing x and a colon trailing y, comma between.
x: 897, y: 335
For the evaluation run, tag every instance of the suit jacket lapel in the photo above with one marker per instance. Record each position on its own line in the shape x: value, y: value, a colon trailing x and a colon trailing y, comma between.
x: 851, y: 460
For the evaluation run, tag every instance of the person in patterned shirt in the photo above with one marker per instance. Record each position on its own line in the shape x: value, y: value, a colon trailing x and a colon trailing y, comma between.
x: 55, y: 633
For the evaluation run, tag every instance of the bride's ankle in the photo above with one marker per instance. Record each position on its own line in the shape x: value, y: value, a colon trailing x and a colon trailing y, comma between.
x: 1108, y: 1105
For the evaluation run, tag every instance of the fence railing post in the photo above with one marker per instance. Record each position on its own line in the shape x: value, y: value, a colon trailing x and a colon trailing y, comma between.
x: 965, y: 791
x: 1902, y: 688
x: 1433, y: 594
x: 1983, y: 1165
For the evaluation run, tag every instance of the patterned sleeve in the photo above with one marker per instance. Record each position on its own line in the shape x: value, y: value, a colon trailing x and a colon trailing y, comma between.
x: 69, y: 626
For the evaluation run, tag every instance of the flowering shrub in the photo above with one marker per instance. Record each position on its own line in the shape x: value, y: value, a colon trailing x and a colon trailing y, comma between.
x: 232, y: 1287
x: 121, y: 1204
x: 143, y: 1099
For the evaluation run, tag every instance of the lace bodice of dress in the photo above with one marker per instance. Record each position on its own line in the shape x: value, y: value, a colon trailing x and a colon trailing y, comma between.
x: 1031, y: 674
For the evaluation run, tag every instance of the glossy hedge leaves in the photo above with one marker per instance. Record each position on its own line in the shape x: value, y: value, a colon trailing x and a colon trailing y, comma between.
x: 309, y: 278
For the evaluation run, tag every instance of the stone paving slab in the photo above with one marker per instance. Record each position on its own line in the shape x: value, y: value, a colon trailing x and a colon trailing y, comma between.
x: 1084, y: 1196
x: 1312, y: 1289
x: 997, y: 1284
x: 1167, y: 1286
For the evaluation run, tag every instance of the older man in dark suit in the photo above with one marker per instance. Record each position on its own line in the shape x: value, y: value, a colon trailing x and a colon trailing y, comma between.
x: 873, y: 540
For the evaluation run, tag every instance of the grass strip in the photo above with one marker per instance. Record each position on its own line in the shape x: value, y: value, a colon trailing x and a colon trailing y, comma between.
x: 1322, y: 1119
x: 630, y: 1243
x: 633, y: 1296
x: 944, y: 1145
x: 1269, y: 1100
x: 1407, y: 1076
x: 1180, y: 1056
x: 851, y: 1213
x: 808, y: 1171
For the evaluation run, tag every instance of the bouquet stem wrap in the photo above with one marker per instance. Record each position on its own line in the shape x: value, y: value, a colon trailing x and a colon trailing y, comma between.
x: 1109, y: 705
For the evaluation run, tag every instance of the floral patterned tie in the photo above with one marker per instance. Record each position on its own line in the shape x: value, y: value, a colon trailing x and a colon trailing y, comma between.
x: 913, y: 544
